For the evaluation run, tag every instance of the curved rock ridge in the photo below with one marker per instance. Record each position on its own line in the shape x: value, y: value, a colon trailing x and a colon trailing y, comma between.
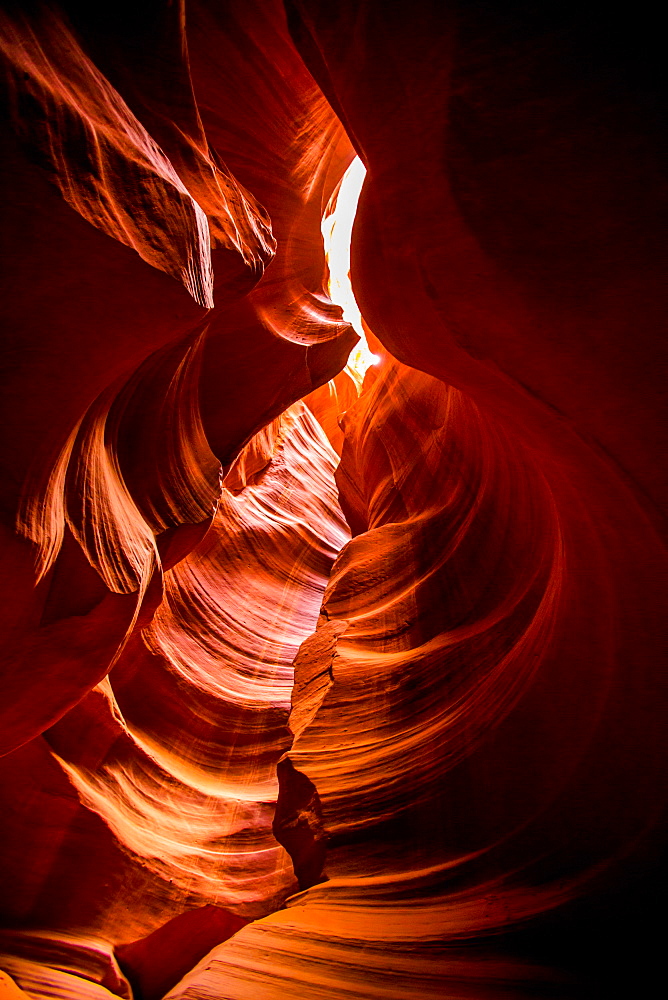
x: 328, y: 402
x: 509, y: 238
x: 271, y: 124
x: 47, y: 964
x: 112, y: 460
x: 121, y: 480
x: 42, y: 981
x: 185, y: 808
x: 176, y: 750
x: 449, y: 597
x: 111, y: 171
x: 116, y: 451
x: 457, y: 654
x: 266, y: 959
x: 193, y: 719
x: 8, y: 988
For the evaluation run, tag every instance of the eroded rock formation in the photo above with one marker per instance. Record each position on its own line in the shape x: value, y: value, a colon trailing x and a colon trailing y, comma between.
x: 312, y: 688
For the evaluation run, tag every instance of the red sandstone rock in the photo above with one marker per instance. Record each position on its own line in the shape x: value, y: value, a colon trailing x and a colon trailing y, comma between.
x: 474, y: 742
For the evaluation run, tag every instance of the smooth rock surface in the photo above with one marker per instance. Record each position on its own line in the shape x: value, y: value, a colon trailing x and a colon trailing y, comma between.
x: 304, y: 692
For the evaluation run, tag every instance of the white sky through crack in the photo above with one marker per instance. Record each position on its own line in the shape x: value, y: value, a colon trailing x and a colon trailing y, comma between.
x: 337, y: 227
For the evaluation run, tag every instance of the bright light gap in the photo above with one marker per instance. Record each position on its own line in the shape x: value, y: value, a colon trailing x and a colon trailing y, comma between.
x: 337, y: 228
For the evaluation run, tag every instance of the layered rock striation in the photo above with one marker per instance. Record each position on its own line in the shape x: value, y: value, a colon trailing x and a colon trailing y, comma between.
x: 316, y: 685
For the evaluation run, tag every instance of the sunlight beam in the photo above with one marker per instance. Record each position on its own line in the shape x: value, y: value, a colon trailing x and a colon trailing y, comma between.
x: 337, y: 228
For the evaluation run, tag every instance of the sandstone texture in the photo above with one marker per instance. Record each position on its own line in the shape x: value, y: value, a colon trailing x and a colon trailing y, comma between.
x: 333, y: 637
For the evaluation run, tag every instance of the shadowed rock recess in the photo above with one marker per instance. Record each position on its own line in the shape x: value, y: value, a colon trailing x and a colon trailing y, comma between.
x: 317, y: 682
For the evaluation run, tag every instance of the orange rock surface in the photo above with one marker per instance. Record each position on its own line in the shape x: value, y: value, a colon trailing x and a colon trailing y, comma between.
x: 319, y: 683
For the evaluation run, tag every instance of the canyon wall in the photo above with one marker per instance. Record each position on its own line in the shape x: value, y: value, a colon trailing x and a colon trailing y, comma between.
x: 311, y: 688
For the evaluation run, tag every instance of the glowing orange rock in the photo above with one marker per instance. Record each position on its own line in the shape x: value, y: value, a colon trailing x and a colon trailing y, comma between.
x: 475, y: 740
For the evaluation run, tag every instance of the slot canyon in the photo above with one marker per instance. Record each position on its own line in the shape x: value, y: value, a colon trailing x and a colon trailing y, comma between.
x: 334, y: 570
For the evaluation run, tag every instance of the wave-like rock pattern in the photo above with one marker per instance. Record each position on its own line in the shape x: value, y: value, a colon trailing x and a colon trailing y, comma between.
x: 119, y: 179
x: 113, y: 480
x: 451, y: 736
x: 458, y: 663
x: 47, y: 964
x: 459, y: 559
x: 177, y: 750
